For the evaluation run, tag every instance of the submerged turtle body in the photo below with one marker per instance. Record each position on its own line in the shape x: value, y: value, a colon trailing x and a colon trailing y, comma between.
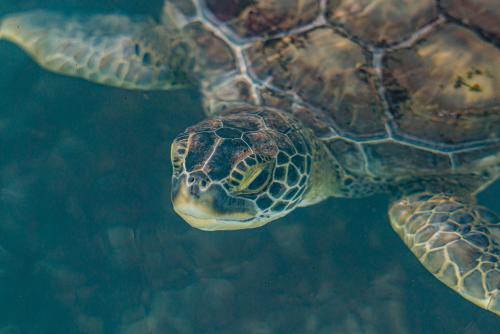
x: 414, y: 94
x: 309, y: 99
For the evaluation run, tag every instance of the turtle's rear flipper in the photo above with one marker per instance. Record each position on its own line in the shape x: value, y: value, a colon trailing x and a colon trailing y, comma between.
x: 456, y: 240
x: 115, y: 50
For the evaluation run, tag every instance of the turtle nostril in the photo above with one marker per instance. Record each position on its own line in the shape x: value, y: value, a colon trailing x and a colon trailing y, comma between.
x: 196, y: 183
x: 194, y: 190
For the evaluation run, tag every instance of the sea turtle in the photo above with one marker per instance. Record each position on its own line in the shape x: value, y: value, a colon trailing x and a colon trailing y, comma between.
x: 310, y: 99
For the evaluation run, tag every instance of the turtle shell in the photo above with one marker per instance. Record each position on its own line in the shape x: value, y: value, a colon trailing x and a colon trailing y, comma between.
x: 388, y: 84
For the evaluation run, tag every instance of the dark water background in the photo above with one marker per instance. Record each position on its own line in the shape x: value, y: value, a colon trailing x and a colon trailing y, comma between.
x: 89, y: 242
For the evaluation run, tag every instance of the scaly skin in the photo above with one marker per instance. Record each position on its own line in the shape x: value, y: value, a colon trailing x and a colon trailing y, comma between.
x: 456, y: 240
x: 244, y: 168
x: 114, y: 50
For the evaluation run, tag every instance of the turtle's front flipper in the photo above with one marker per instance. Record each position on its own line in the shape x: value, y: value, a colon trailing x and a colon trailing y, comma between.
x: 456, y: 240
x: 115, y: 50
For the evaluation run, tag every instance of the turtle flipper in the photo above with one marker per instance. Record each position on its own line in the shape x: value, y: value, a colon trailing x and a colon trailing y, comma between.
x: 116, y: 50
x: 456, y: 240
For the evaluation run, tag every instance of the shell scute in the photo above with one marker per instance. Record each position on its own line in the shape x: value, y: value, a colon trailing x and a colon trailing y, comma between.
x: 347, y: 154
x: 323, y: 69
x: 394, y: 159
x: 381, y: 21
x: 445, y: 88
x: 215, y: 56
x: 248, y: 18
x: 482, y: 14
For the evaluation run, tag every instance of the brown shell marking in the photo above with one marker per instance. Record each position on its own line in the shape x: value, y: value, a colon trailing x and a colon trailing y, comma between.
x: 448, y: 87
x: 393, y: 159
x: 215, y: 57
x: 381, y: 21
x: 326, y: 70
x: 262, y: 17
x: 483, y: 14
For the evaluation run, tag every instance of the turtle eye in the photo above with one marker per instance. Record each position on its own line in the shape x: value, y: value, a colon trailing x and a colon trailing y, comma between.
x: 250, y: 177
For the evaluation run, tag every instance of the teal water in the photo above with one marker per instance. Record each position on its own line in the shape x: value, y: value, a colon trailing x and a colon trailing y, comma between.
x: 89, y: 242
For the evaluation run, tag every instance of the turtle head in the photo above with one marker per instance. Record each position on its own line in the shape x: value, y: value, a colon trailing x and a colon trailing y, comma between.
x: 241, y: 169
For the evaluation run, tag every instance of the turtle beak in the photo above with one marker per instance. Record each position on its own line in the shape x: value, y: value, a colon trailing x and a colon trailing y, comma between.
x: 211, y: 208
